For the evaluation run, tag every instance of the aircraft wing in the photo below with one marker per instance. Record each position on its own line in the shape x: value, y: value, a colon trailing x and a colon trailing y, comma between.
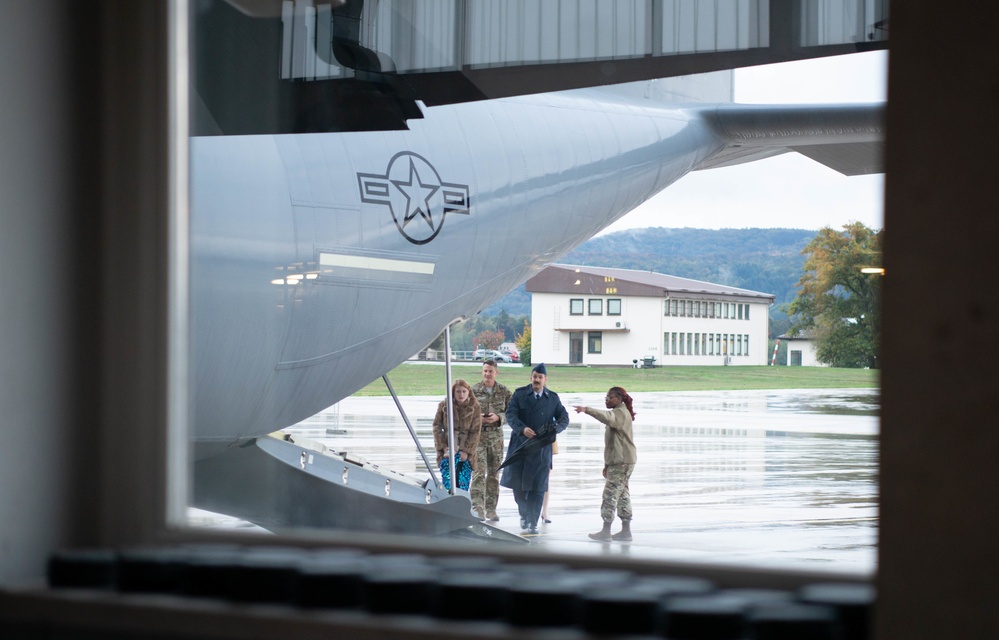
x: 846, y: 138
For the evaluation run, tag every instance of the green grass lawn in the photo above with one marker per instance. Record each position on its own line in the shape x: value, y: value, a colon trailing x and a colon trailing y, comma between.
x: 427, y: 380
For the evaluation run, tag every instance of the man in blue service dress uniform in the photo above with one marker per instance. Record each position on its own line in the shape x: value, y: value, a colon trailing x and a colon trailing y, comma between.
x: 534, y: 412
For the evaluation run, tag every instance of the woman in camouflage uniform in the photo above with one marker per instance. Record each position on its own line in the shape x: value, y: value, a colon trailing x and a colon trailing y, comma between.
x: 620, y: 456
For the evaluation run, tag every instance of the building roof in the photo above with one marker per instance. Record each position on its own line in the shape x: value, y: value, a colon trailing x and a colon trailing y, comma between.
x: 570, y: 279
x: 802, y: 335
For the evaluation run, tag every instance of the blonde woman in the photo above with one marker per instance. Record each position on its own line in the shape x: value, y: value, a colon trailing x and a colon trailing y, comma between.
x: 467, y: 427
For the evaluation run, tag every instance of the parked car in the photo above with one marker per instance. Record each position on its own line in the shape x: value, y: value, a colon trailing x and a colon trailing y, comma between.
x: 490, y: 354
x: 513, y: 355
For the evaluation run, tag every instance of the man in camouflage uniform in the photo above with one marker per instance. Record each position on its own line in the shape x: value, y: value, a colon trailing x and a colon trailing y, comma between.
x: 493, y: 397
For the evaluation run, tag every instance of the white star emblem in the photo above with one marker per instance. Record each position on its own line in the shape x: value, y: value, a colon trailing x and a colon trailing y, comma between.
x: 418, y: 196
x: 411, y: 188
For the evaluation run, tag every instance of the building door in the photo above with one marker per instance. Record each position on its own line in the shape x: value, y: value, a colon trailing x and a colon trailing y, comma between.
x: 795, y: 358
x: 575, y: 347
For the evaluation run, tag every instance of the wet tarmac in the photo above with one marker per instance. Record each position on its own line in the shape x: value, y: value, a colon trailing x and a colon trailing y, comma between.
x: 759, y: 478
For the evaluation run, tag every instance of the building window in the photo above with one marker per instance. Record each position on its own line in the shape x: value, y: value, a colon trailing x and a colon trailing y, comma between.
x: 595, y: 342
x: 745, y: 340
x: 697, y: 344
x: 711, y: 344
x: 740, y: 311
x: 697, y: 309
x: 747, y: 312
x: 673, y: 307
x: 704, y: 344
x: 738, y: 345
x: 681, y: 343
x: 614, y: 307
x: 690, y: 308
x: 690, y: 344
x: 576, y: 307
x: 673, y: 344
x: 596, y: 307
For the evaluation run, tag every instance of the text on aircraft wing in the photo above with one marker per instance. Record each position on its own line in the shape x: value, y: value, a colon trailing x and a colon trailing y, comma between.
x: 846, y: 138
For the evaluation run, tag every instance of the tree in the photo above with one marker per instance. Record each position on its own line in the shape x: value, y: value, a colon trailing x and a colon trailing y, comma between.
x: 838, y: 304
x: 488, y: 339
x: 523, y: 342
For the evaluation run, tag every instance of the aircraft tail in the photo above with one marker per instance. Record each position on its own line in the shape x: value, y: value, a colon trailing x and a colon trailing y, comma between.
x: 848, y: 138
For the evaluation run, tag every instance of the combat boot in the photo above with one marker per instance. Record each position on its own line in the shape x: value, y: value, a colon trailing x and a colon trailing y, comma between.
x: 624, y: 535
x: 603, y: 534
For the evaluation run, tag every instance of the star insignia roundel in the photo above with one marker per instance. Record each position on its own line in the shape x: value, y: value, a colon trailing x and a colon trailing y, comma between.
x: 415, y: 194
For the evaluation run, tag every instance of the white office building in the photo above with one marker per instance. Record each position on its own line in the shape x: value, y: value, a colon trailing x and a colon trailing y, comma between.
x: 600, y: 316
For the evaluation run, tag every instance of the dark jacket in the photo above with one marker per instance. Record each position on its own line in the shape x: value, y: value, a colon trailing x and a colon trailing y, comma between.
x: 547, y: 417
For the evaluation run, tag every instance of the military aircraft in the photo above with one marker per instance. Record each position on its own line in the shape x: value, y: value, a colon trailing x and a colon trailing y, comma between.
x: 321, y: 261
x: 338, y: 226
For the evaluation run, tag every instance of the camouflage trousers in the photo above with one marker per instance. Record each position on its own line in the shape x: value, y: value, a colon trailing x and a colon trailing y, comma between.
x: 616, y: 494
x: 485, y: 479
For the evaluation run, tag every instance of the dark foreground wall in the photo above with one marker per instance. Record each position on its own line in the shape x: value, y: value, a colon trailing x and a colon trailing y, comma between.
x: 940, y: 489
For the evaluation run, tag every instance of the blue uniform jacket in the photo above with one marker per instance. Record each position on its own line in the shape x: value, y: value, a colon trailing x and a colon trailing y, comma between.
x: 530, y: 472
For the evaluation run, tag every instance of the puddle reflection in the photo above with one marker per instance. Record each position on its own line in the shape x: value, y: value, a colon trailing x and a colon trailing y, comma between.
x: 786, y: 477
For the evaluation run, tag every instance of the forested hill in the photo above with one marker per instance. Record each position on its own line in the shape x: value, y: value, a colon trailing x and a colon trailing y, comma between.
x: 765, y: 260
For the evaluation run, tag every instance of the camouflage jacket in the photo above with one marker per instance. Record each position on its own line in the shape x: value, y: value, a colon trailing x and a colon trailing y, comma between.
x: 495, y: 402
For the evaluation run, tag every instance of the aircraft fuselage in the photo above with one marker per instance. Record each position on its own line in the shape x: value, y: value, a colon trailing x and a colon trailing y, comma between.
x: 321, y: 261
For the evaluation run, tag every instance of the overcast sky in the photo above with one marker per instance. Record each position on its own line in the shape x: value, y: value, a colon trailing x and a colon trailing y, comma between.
x: 790, y: 190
